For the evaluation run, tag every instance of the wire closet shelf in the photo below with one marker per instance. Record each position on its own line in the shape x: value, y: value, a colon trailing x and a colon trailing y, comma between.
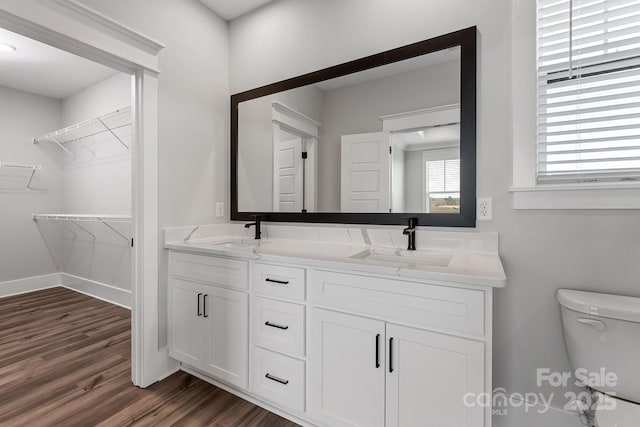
x: 106, y: 220
x: 109, y: 123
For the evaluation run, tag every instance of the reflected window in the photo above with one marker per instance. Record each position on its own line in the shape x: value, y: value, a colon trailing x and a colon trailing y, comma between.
x: 442, y: 181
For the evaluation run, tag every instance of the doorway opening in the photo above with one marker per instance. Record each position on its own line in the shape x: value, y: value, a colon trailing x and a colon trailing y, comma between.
x: 66, y: 175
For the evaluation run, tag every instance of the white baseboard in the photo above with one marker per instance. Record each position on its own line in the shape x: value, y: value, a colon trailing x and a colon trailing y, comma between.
x: 29, y: 284
x: 94, y: 289
x: 98, y: 290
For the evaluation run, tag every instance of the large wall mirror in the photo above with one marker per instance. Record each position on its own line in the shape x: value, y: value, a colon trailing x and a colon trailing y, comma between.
x: 371, y: 141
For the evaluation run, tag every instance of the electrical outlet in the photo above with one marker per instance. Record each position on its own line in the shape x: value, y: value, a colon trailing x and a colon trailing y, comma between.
x: 219, y: 209
x: 484, y: 209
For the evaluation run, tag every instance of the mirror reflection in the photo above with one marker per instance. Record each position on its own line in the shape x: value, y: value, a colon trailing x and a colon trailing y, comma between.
x: 382, y: 140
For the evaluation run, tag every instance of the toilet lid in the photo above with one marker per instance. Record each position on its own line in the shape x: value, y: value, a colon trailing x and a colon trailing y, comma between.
x: 625, y: 414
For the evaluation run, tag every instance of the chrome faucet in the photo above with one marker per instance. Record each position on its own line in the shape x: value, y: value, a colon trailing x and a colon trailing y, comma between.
x: 410, y: 232
x: 257, y: 224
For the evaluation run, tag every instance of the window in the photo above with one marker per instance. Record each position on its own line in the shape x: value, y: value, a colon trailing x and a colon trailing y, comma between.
x: 588, y: 91
x: 442, y: 180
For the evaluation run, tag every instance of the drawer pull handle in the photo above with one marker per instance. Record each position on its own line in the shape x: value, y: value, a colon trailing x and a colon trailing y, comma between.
x: 199, y: 313
x: 279, y: 282
x: 273, y: 325
x: 276, y: 379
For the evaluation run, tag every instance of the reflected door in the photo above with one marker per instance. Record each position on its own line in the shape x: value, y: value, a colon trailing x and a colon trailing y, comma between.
x: 290, y: 176
x: 365, y: 172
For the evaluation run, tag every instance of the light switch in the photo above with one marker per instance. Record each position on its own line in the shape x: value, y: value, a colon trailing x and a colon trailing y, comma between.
x: 219, y: 209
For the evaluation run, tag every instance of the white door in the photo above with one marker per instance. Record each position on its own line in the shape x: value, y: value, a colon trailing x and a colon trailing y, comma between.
x: 289, y: 175
x: 226, y: 315
x: 365, y: 178
x: 347, y: 374
x: 186, y: 328
x: 428, y: 375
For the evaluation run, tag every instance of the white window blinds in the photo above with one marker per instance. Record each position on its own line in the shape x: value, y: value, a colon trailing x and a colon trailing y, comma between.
x: 443, y: 176
x: 588, y: 90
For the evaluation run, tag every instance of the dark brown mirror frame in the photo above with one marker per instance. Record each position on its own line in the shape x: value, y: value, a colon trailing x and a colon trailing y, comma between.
x: 467, y: 40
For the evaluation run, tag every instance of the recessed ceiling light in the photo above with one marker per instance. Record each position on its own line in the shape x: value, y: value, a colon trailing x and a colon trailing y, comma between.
x: 6, y: 47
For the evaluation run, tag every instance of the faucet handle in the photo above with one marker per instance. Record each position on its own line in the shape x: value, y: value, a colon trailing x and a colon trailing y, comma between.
x: 412, y: 221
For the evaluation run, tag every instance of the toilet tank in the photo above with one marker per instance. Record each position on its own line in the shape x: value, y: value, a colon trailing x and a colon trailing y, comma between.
x: 602, y: 334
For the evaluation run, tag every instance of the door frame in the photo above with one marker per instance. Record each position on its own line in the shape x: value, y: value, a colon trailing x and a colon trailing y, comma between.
x: 73, y: 27
x: 288, y: 119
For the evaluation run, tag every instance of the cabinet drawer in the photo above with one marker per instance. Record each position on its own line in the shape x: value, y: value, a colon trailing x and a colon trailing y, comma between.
x: 279, y: 378
x: 431, y: 306
x: 226, y: 272
x: 279, y: 325
x: 279, y: 281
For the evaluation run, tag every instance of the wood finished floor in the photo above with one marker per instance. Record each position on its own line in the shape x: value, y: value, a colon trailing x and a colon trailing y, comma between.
x: 65, y: 361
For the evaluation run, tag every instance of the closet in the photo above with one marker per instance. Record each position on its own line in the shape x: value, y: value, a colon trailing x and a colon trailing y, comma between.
x: 91, y: 233
x: 65, y: 175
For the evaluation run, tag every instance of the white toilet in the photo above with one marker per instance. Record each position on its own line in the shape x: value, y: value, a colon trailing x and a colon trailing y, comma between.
x: 602, y: 332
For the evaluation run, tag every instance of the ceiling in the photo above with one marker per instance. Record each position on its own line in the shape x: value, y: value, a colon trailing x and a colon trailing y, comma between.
x: 425, y: 138
x: 231, y: 9
x: 44, y: 70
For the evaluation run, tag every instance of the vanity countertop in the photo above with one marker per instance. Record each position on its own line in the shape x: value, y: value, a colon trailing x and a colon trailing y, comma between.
x: 445, y: 265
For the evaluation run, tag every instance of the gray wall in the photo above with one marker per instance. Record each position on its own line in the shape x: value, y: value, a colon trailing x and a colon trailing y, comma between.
x: 194, y: 92
x: 255, y: 143
x: 413, y: 181
x: 23, y: 252
x: 541, y: 250
x: 98, y: 184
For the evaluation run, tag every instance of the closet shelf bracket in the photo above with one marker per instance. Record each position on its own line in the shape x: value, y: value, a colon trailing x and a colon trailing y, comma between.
x: 77, y: 219
x: 126, y: 239
x: 32, y: 168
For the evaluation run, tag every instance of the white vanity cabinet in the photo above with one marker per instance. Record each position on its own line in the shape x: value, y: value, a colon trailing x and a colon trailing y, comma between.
x: 397, y: 359
x: 333, y: 347
x: 209, y: 325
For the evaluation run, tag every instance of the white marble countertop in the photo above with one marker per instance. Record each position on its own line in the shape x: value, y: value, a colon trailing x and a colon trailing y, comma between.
x: 461, y: 263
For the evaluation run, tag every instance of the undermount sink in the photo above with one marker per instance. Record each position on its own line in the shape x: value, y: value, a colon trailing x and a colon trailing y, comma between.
x: 432, y: 259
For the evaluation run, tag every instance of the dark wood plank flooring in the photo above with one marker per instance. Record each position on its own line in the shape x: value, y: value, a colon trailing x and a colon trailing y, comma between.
x: 65, y: 361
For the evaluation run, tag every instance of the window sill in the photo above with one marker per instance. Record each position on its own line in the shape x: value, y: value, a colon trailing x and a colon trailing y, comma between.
x: 583, y: 196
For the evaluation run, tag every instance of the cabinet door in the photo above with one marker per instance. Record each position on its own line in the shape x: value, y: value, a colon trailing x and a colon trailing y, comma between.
x: 186, y: 328
x: 226, y: 317
x: 428, y: 375
x: 347, y: 373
